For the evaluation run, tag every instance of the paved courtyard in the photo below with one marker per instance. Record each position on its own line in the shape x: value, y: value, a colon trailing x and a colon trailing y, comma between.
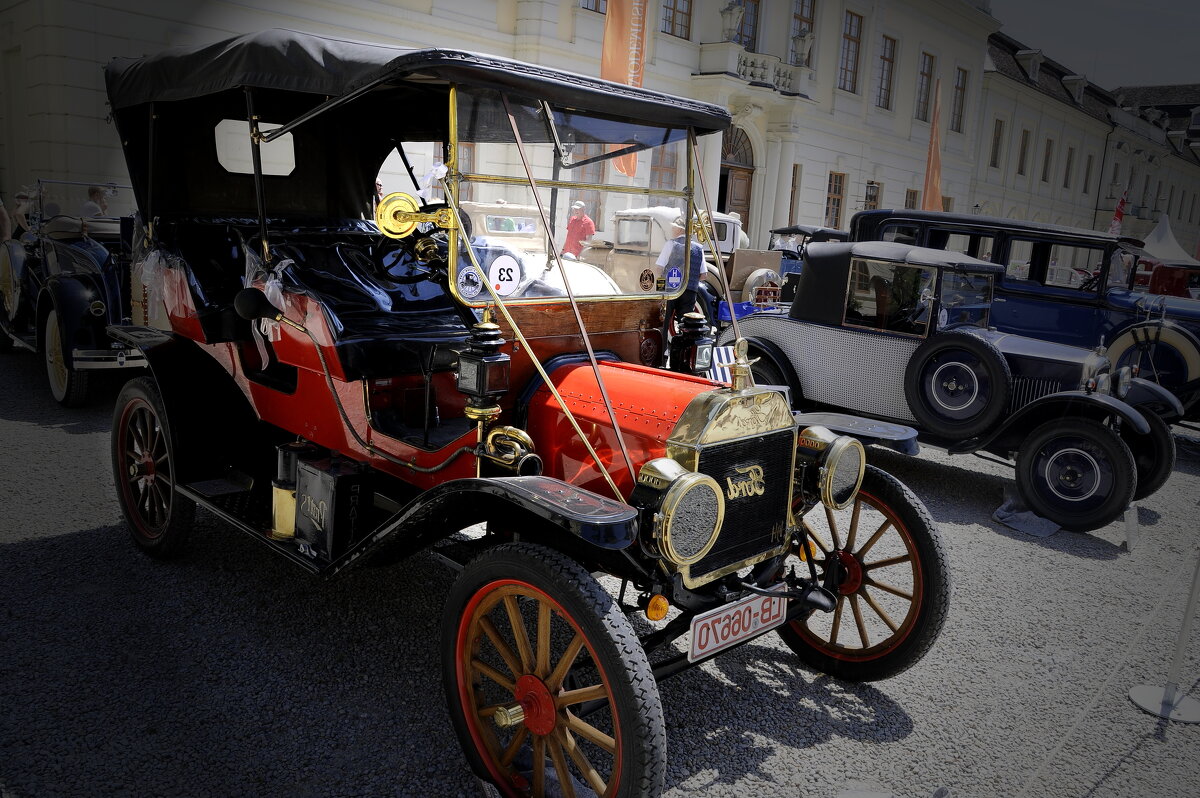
x: 228, y: 672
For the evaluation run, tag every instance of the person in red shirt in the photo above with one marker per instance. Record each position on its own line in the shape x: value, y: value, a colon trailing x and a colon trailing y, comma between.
x: 579, y: 228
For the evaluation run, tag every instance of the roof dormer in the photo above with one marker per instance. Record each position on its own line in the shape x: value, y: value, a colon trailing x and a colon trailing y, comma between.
x: 1075, y: 84
x: 1031, y: 62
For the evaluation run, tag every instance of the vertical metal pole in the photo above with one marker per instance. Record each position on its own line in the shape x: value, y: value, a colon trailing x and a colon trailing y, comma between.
x: 256, y: 156
x: 149, y: 220
x: 1165, y: 701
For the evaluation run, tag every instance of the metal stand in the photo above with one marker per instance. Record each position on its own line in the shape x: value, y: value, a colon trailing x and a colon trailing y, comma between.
x: 1165, y: 702
x: 1131, y: 526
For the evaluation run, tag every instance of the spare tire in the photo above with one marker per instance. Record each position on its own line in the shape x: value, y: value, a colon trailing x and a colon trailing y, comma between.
x: 957, y: 385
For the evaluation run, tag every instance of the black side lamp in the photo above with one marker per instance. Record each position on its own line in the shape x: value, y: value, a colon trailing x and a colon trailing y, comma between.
x: 691, y: 350
x: 483, y: 371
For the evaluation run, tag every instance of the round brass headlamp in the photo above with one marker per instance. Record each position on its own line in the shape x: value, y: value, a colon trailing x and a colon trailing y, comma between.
x: 842, y: 472
x: 689, y: 518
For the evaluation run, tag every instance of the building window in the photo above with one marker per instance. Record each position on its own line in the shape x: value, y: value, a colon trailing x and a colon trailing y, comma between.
x: 925, y: 86
x: 887, y: 71
x: 1067, y: 167
x: 802, y: 20
x: 677, y: 18
x: 1182, y: 202
x: 947, y: 204
x: 592, y: 173
x: 1116, y: 178
x: 1024, y: 152
x: 835, y: 196
x: 1170, y: 199
x: 851, y: 38
x: 794, y: 207
x: 1192, y: 210
x: 961, y: 77
x: 871, y: 195
x: 600, y: 6
x: 1158, y: 197
x: 1087, y: 173
x: 1047, y: 158
x: 912, y: 198
x: 997, y: 138
x: 747, y: 32
x: 664, y: 169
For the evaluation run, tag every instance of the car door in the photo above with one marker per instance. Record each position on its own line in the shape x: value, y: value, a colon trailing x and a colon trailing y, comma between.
x: 1051, y: 290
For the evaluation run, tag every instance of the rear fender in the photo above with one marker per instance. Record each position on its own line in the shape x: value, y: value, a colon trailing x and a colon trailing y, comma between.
x: 213, y: 422
x: 769, y: 352
x: 1065, y: 404
x: 547, y: 510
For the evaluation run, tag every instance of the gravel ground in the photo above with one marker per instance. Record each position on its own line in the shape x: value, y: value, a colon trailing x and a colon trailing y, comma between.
x: 228, y: 672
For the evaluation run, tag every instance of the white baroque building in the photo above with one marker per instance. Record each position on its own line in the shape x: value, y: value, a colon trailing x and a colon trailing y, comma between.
x: 832, y: 101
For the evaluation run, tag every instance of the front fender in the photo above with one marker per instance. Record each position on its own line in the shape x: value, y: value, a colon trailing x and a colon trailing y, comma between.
x: 1064, y: 404
x: 1153, y: 398
x: 70, y: 296
x: 581, y: 519
x: 776, y: 356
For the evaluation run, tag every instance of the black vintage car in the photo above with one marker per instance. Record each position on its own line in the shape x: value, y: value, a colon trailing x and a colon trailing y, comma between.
x: 1071, y: 285
x: 902, y: 333
x: 791, y: 241
x: 65, y: 281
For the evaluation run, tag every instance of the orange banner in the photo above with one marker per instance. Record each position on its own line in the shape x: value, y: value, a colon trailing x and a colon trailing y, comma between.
x: 931, y: 198
x: 623, y: 54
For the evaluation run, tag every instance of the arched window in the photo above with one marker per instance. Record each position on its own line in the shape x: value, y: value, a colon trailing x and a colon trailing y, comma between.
x: 736, y: 148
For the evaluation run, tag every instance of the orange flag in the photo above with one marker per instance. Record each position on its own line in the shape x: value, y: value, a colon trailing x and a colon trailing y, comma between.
x: 931, y: 196
x: 623, y: 55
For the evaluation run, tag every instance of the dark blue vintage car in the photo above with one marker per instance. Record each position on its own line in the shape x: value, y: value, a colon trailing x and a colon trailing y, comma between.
x: 65, y: 281
x: 904, y: 334
x: 1066, y: 284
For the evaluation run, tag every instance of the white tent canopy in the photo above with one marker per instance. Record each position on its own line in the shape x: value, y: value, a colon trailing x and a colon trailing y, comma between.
x: 1162, y: 246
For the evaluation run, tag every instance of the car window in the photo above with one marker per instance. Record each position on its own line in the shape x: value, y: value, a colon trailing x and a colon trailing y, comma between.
x: 965, y: 299
x: 904, y: 233
x: 633, y: 232
x: 234, y: 152
x: 889, y: 296
x: 1071, y: 267
x: 1020, y: 253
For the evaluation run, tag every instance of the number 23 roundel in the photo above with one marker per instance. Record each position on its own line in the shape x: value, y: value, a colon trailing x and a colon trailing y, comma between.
x: 504, y: 274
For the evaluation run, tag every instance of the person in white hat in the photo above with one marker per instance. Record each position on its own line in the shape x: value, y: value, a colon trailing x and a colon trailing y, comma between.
x: 580, y: 227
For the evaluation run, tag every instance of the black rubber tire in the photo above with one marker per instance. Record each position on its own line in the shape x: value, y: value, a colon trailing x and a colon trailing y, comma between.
x: 1088, y: 458
x: 1153, y: 454
x: 971, y: 377
x: 70, y: 387
x: 910, y: 532
x: 159, y: 519
x: 535, y: 577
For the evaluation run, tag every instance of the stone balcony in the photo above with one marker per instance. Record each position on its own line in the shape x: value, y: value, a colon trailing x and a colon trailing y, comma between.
x: 756, y: 69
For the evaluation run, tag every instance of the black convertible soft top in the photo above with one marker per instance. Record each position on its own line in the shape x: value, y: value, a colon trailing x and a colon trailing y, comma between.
x: 288, y: 60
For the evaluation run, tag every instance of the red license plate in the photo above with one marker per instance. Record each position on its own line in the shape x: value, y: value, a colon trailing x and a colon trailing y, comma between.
x: 729, y: 625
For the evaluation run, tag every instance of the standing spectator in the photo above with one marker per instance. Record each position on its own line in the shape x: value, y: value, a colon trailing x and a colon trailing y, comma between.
x: 579, y: 227
x: 96, y: 204
x: 20, y: 215
x: 5, y: 223
x: 670, y: 258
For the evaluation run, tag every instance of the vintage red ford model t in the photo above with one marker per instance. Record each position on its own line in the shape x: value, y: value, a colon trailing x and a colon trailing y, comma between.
x: 327, y: 378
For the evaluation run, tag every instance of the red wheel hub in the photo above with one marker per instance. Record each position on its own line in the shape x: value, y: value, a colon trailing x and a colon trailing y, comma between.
x: 852, y: 573
x: 540, y: 713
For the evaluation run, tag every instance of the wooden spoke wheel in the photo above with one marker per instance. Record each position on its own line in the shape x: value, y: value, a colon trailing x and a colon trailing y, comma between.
x: 882, y: 559
x: 548, y: 687
x: 144, y: 470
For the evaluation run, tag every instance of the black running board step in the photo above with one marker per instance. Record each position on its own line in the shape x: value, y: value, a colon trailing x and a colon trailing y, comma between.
x: 287, y: 548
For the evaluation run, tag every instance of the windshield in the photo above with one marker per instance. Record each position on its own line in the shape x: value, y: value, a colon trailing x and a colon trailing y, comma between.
x: 965, y: 299
x: 610, y: 190
x: 58, y: 201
